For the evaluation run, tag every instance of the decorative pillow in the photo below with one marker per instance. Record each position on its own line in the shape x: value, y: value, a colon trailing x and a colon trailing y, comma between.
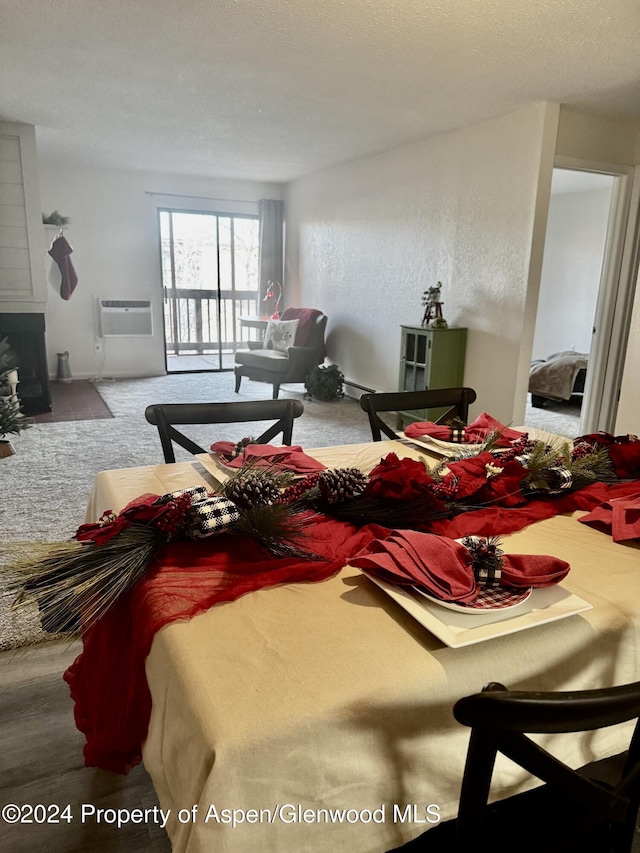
x: 280, y: 334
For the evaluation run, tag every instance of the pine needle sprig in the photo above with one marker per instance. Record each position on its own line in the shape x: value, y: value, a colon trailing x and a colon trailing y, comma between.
x: 75, y: 583
x: 468, y: 451
x: 593, y: 467
x: 276, y: 529
x: 541, y: 458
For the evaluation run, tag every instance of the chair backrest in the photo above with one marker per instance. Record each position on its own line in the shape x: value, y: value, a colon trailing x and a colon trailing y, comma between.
x: 166, y: 415
x: 312, y: 325
x: 500, y: 721
x: 457, y: 401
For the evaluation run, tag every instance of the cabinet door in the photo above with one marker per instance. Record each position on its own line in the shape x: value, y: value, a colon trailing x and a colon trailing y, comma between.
x: 447, y: 358
x: 415, y: 360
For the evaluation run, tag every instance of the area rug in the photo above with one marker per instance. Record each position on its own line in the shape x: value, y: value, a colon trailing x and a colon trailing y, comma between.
x: 74, y: 401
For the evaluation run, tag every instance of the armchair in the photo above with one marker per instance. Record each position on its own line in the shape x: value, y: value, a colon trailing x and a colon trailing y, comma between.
x: 276, y: 367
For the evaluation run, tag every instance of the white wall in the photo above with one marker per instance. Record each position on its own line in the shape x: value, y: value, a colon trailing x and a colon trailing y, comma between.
x: 596, y: 138
x: 574, y: 245
x: 114, y: 234
x: 366, y: 239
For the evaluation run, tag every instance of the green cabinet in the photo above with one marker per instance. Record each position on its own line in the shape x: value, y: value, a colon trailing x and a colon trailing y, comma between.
x: 430, y: 358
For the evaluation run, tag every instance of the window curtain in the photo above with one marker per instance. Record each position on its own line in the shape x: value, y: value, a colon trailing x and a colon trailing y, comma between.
x: 271, y: 242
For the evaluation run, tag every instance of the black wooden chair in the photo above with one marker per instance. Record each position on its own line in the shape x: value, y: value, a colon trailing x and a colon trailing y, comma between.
x: 456, y: 401
x: 576, y: 811
x: 165, y: 416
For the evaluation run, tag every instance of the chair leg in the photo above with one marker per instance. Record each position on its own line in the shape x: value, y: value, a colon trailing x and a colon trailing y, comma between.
x: 238, y: 381
x: 276, y: 391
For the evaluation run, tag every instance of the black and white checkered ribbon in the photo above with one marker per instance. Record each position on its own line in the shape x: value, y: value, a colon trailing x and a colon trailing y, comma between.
x: 559, y: 480
x: 211, y: 516
x: 489, y: 575
x: 457, y: 434
x: 196, y: 493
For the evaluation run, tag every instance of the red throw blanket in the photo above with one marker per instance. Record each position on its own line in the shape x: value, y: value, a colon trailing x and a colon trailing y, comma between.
x: 108, y: 681
x: 305, y: 317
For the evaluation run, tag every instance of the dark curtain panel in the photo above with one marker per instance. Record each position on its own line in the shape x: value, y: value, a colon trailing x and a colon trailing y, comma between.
x: 271, y: 242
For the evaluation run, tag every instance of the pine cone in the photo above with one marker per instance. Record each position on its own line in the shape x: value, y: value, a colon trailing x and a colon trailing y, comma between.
x: 340, y: 484
x: 251, y: 490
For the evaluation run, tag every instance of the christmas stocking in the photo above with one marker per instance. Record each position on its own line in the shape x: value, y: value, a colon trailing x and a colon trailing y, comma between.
x: 61, y: 251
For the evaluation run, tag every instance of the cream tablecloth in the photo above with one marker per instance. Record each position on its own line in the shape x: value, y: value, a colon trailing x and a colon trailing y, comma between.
x: 302, y: 698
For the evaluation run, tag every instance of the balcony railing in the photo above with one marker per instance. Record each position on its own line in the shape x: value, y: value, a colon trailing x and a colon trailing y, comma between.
x: 205, y: 321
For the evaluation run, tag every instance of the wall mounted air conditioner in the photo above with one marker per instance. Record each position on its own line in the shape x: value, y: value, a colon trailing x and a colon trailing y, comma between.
x: 125, y: 318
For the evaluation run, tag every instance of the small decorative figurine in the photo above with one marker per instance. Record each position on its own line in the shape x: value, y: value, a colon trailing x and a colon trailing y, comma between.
x: 433, y: 318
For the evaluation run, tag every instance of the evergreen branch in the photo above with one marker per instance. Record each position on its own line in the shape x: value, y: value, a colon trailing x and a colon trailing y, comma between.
x: 276, y: 528
x: 75, y: 583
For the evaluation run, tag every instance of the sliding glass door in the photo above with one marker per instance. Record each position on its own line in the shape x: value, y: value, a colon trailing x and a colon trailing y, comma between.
x: 210, y: 280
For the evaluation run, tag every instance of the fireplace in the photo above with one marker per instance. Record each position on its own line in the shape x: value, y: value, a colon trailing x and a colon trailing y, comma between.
x: 25, y: 333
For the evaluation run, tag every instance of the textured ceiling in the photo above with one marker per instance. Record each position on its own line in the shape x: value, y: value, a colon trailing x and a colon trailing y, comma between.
x: 274, y: 89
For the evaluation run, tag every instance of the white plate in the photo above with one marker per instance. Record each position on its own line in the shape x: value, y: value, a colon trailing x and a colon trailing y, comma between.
x: 501, y: 593
x: 222, y: 471
x: 437, y: 445
x: 215, y: 466
x: 544, y: 605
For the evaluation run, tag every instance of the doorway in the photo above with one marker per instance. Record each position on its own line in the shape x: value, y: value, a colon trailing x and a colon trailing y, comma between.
x: 209, y: 265
x: 574, y: 251
x: 617, y: 260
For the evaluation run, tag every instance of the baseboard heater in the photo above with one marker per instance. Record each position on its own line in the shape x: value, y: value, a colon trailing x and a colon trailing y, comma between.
x: 359, y: 387
x: 125, y: 318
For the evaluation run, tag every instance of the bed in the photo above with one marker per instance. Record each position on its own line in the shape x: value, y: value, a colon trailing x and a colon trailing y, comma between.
x: 558, y: 377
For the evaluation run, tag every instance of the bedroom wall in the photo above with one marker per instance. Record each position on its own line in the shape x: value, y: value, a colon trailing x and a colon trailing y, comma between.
x: 466, y: 208
x: 574, y: 244
x: 114, y: 235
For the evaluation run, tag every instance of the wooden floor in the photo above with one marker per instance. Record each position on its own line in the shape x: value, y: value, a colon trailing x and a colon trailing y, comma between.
x: 41, y: 762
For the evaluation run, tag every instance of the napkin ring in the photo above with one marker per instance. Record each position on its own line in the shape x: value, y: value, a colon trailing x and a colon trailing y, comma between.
x: 486, y: 559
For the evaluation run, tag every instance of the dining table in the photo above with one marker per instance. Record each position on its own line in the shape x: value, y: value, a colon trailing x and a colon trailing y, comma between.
x: 318, y: 716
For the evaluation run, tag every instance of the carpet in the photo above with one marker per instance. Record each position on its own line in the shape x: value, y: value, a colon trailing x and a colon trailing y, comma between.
x: 560, y: 418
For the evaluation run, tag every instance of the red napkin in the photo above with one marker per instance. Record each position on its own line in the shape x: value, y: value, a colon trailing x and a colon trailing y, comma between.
x: 474, y: 433
x: 287, y: 458
x: 442, y: 566
x: 618, y: 516
x: 521, y: 570
x: 439, y: 565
